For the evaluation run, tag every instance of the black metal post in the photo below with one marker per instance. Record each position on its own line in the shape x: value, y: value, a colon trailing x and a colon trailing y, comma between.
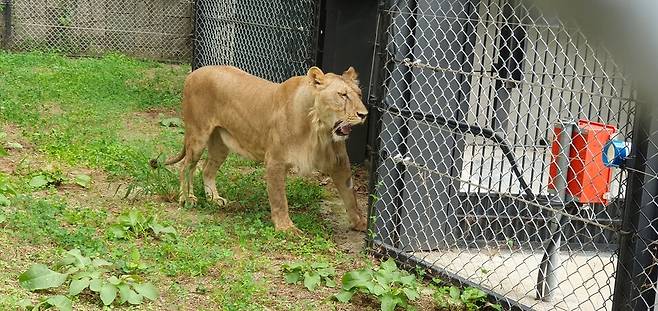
x: 637, y: 270
x: 320, y: 32
x: 391, y: 75
x: 7, y: 15
x: 381, y: 61
x: 195, y: 35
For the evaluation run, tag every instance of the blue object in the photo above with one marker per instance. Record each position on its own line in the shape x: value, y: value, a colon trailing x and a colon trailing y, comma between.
x: 615, y: 152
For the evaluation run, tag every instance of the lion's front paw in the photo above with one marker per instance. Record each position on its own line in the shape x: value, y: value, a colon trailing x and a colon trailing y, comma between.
x: 190, y: 200
x: 362, y: 226
x: 289, y: 228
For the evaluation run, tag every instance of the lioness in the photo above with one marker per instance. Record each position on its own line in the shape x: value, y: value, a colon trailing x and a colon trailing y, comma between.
x: 302, y: 122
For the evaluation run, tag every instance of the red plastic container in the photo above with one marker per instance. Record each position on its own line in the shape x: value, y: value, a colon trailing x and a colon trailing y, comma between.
x: 588, y: 180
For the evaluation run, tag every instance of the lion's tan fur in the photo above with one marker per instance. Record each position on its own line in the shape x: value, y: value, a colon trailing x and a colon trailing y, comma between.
x: 288, y: 124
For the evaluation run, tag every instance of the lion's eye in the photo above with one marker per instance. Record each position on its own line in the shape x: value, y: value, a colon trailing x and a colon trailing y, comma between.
x: 343, y: 95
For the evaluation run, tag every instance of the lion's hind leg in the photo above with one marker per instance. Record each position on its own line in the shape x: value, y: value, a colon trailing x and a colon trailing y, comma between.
x: 217, y: 153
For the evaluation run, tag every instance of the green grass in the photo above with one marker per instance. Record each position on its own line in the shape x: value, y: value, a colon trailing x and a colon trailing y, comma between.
x: 102, y: 114
x: 73, y: 109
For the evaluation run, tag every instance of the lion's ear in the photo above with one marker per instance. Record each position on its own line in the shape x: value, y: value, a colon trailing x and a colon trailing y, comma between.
x: 316, y: 75
x: 351, y: 74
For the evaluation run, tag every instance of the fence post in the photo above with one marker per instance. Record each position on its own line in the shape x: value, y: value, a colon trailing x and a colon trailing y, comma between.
x: 194, y: 35
x: 637, y: 270
x: 374, y: 96
x: 6, y: 12
x: 547, y: 280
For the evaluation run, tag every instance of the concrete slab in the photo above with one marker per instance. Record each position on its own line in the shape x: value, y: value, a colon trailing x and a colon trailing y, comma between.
x: 586, y: 279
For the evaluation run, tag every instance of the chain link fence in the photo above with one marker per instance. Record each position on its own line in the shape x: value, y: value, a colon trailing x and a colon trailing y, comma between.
x: 152, y: 29
x: 488, y: 169
x: 270, y: 39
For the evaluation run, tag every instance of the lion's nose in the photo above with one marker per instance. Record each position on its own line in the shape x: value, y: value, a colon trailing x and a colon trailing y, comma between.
x: 361, y: 115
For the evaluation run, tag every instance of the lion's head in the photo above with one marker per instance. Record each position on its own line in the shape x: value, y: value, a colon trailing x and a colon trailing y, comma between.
x: 338, y: 104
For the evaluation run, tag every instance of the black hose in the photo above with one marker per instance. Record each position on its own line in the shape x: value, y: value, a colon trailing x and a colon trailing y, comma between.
x: 475, y: 130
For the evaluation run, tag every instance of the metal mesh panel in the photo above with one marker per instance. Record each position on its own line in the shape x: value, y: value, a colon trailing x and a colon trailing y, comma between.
x: 478, y: 98
x: 270, y: 39
x: 154, y: 29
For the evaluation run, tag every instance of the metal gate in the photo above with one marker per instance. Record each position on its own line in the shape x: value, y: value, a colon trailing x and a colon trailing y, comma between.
x: 270, y: 39
x: 471, y: 93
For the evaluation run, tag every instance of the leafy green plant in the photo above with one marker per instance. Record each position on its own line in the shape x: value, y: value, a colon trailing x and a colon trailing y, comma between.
x: 43, y: 179
x: 3, y: 151
x: 82, y: 180
x: 171, y: 122
x: 59, y: 302
x: 82, y: 273
x: 135, y: 223
x: 470, y: 299
x: 312, y: 275
x: 46, y: 178
x: 6, y: 190
x: 133, y: 264
x: 389, y: 285
x: 175, y: 123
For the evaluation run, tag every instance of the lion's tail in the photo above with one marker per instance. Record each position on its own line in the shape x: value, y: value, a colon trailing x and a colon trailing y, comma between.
x: 154, y: 162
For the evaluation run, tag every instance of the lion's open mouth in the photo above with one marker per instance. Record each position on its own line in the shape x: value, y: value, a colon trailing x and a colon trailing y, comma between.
x: 342, y: 129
